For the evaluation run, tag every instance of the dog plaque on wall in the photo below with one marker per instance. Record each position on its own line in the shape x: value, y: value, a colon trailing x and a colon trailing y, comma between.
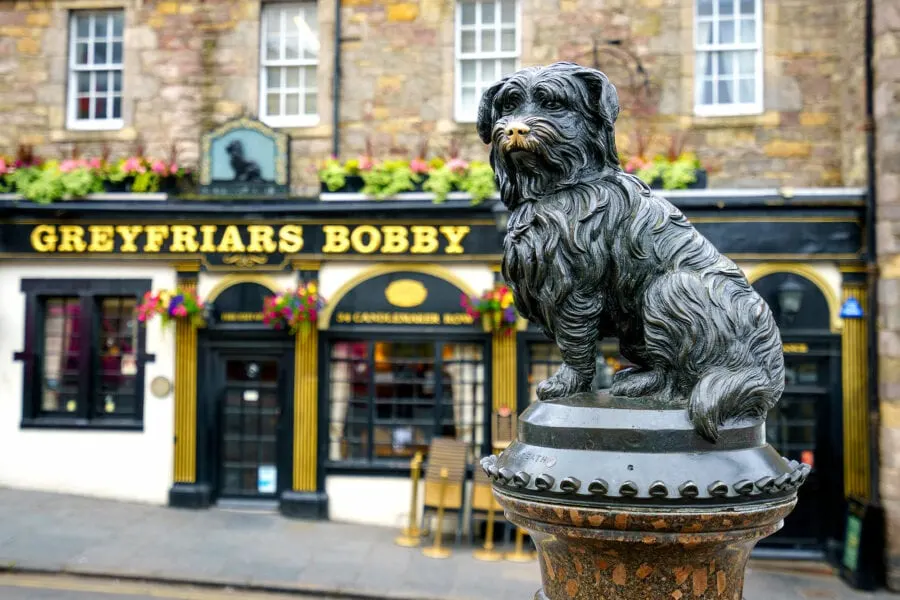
x: 244, y: 157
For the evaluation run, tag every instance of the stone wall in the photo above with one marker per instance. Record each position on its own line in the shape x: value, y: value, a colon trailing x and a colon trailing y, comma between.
x: 193, y: 63
x: 887, y: 181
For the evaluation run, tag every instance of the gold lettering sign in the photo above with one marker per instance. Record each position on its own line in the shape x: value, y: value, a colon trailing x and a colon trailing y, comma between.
x: 403, y: 318
x: 233, y: 317
x: 250, y: 239
x: 797, y: 348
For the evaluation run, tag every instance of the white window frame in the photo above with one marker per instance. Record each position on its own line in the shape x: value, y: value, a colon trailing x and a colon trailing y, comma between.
x: 280, y: 120
x: 459, y: 114
x: 72, y: 120
x: 734, y: 108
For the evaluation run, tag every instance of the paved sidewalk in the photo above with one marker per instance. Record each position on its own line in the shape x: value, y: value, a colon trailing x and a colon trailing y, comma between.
x: 60, y: 533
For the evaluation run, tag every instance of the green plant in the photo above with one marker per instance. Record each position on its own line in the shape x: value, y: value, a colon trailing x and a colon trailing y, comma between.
x: 674, y: 174
x: 333, y: 174
x: 652, y: 170
x: 479, y: 182
x: 388, y: 179
x: 441, y: 181
x: 50, y: 182
x: 681, y: 172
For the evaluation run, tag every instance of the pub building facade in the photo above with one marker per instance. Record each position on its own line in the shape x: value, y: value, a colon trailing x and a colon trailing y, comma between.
x: 102, y: 404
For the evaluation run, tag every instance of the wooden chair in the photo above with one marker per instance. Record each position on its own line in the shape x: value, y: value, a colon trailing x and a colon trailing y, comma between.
x: 503, y: 429
x: 482, y: 499
x: 450, y: 454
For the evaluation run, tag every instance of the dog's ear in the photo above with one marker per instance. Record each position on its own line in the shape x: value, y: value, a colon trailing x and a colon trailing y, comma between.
x: 485, y: 122
x: 602, y: 92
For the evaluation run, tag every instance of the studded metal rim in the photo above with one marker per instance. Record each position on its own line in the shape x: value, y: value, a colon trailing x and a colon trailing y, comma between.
x: 766, y: 485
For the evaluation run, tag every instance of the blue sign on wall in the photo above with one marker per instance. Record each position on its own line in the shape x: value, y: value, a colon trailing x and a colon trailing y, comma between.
x: 245, y: 158
x: 852, y: 309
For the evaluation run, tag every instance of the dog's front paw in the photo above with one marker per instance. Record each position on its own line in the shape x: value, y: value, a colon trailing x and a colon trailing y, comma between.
x: 634, y: 383
x: 563, y: 383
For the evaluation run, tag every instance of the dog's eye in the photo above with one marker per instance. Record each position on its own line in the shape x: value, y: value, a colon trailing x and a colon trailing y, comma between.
x: 552, y: 104
x: 509, y: 105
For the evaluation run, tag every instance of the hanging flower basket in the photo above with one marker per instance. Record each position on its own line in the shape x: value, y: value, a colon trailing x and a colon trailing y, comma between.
x: 494, y: 308
x: 294, y: 310
x: 171, y: 306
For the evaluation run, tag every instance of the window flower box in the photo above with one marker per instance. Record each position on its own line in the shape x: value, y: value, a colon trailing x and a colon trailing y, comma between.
x: 395, y: 178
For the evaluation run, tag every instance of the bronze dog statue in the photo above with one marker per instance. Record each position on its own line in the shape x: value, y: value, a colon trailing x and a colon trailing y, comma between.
x: 591, y: 252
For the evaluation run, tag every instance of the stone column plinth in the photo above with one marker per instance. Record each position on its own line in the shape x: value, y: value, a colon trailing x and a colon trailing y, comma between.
x: 626, y: 502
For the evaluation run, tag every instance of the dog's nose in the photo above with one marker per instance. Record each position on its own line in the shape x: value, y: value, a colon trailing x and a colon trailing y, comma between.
x: 514, y: 129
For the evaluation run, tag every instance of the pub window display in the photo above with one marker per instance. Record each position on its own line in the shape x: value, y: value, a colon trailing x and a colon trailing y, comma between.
x: 388, y: 400
x: 83, y: 359
x: 545, y: 358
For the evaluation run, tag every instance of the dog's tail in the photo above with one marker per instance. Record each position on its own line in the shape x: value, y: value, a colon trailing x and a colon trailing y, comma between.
x: 722, y: 393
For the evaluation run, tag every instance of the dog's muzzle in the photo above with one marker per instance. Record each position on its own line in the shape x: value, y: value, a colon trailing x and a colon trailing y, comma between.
x: 517, y: 137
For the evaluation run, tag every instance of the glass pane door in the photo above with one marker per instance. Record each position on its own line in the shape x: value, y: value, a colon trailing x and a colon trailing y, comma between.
x: 793, y: 428
x: 250, y: 414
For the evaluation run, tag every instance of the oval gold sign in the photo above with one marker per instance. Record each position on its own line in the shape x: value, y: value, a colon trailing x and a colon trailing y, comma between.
x: 406, y: 293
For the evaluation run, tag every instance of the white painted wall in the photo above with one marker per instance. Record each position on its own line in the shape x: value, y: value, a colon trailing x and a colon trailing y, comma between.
x: 132, y: 465
x: 386, y: 501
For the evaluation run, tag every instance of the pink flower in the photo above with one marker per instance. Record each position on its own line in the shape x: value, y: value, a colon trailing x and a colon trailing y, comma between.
x: 95, y: 163
x: 173, y: 169
x: 417, y: 165
x: 159, y: 167
x: 70, y: 164
x: 457, y: 164
x: 635, y: 163
x: 365, y: 163
x: 133, y: 165
x: 4, y: 167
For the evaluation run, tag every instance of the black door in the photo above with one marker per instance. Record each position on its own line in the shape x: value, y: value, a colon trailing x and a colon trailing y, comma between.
x: 251, y: 403
x: 803, y: 427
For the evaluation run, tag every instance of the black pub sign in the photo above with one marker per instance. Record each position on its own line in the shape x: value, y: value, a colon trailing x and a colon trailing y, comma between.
x: 266, y: 242
x: 400, y: 299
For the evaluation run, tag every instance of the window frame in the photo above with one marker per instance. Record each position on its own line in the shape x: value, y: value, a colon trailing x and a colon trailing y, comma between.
x: 73, y: 69
x: 458, y: 58
x: 735, y: 108
x: 90, y: 294
x: 392, y: 466
x: 276, y: 121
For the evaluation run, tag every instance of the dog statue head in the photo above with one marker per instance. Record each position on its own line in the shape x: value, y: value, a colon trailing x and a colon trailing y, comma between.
x: 235, y: 148
x: 550, y: 128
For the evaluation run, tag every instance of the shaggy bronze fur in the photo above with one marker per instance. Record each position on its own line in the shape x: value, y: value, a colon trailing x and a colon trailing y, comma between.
x: 591, y: 252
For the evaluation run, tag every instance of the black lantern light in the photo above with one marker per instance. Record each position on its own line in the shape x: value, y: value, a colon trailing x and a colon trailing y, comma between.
x: 790, y: 298
x: 501, y: 216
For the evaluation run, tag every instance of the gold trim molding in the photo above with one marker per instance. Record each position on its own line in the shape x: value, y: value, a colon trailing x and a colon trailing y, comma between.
x: 185, y: 467
x: 809, y: 273
x: 306, y: 405
x: 505, y: 375
x: 231, y: 280
x: 855, y: 371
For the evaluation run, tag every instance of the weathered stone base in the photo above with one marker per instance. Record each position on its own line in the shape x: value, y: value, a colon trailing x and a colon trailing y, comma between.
x: 644, y: 553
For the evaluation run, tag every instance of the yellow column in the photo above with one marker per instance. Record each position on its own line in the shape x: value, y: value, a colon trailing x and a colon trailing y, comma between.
x: 504, y: 370
x: 306, y: 410
x: 186, y: 397
x: 854, y: 345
